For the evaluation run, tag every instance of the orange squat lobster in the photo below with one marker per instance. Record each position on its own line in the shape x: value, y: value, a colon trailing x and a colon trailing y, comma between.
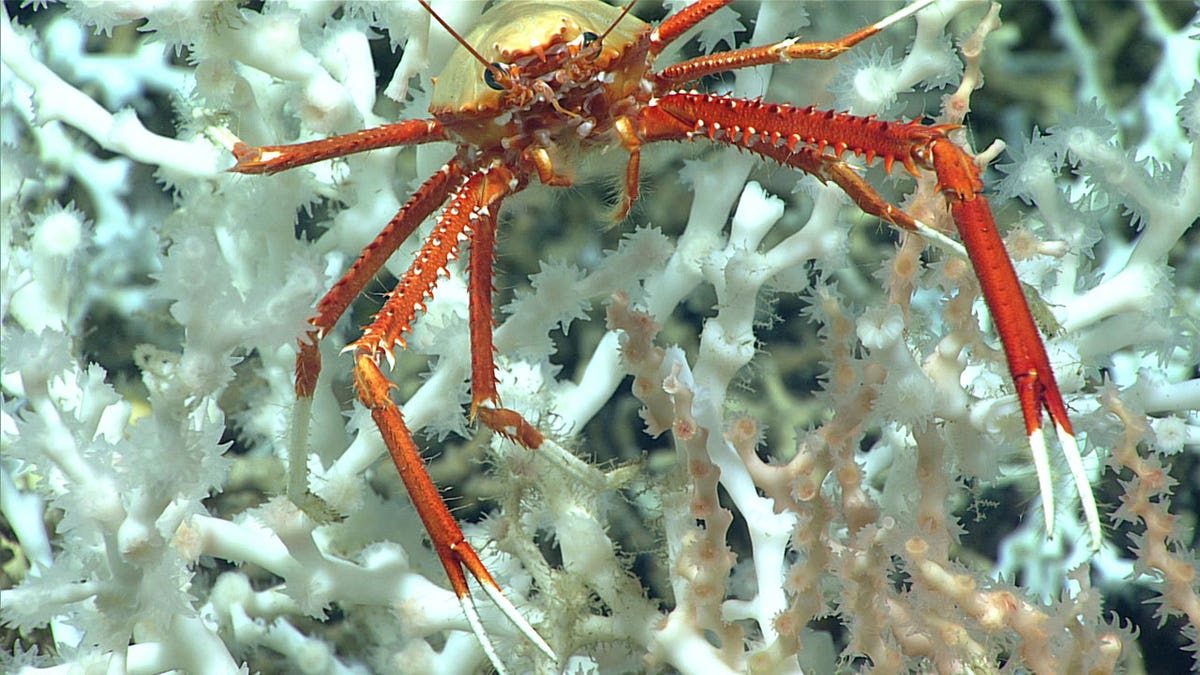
x: 539, y: 81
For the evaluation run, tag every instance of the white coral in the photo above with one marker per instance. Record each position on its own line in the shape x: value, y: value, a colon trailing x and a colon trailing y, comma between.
x: 763, y: 509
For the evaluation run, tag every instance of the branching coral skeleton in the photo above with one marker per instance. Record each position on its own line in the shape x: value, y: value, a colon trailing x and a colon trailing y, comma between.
x: 775, y: 511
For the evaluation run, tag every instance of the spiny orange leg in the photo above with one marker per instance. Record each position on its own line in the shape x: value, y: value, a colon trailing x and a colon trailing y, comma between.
x: 485, y: 399
x: 275, y: 158
x: 673, y: 27
x: 271, y: 159
x: 470, y: 213
x: 473, y: 209
x: 799, y: 137
x: 958, y: 179
x: 787, y: 50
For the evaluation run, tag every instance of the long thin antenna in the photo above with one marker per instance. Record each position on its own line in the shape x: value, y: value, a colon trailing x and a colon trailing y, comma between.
x: 497, y: 73
x: 624, y: 13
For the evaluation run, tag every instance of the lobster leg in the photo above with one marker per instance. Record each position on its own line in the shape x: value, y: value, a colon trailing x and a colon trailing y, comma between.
x: 787, y: 50
x: 434, y: 192
x: 472, y: 207
x: 330, y: 308
x: 485, y: 399
x: 270, y: 159
x: 798, y: 137
x: 451, y: 547
x: 958, y: 179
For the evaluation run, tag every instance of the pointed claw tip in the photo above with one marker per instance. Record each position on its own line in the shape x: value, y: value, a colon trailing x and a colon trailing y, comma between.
x: 468, y: 607
x: 1083, y: 486
x: 1041, y: 463
x: 514, y: 616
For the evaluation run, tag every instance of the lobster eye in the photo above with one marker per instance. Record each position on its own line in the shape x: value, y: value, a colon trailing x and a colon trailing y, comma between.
x: 587, y: 39
x: 489, y: 75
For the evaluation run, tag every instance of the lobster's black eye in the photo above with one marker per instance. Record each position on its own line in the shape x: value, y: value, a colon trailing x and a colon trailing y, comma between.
x: 588, y: 38
x: 489, y: 76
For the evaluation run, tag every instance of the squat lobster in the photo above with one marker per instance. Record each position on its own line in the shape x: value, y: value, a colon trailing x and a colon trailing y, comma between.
x: 538, y: 81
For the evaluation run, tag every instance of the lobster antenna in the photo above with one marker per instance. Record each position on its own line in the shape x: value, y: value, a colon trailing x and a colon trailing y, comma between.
x: 497, y: 73
x: 624, y: 13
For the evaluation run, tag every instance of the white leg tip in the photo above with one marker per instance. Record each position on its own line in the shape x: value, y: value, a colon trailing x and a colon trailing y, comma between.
x: 1082, y: 485
x: 514, y: 615
x: 1041, y: 463
x: 468, y: 607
